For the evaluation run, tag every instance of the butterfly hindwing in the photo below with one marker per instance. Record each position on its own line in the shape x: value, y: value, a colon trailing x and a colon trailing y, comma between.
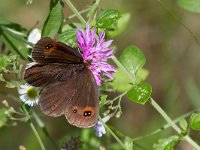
x: 76, y: 98
x: 83, y: 111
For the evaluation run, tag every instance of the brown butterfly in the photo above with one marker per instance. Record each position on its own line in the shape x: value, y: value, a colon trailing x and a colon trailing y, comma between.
x: 69, y: 87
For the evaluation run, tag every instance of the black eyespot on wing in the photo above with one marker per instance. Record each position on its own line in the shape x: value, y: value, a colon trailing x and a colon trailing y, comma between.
x: 75, y: 111
x: 87, y: 113
x: 49, y: 46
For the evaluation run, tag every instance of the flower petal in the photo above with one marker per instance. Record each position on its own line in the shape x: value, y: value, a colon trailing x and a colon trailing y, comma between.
x: 24, y: 97
x: 95, y: 52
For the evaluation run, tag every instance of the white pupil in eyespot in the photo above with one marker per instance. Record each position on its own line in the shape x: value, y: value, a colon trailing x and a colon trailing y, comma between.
x: 87, y: 113
x: 49, y: 46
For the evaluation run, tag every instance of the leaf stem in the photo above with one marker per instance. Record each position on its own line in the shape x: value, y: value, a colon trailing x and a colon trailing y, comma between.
x: 172, y: 124
x: 71, y: 6
x: 42, y: 126
x: 93, y: 11
x: 113, y: 134
x: 34, y: 129
x: 37, y: 135
x: 164, y: 115
x: 165, y: 126
x: 72, y: 16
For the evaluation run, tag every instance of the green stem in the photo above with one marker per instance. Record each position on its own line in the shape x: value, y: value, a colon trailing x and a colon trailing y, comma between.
x: 34, y: 129
x: 172, y: 124
x: 164, y: 115
x: 37, y: 135
x: 165, y: 126
x: 113, y: 134
x: 93, y: 11
x: 71, y: 6
x: 72, y: 16
x: 42, y: 126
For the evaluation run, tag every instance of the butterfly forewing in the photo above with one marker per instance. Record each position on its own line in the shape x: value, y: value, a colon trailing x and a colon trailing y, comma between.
x: 48, y: 50
x: 40, y: 75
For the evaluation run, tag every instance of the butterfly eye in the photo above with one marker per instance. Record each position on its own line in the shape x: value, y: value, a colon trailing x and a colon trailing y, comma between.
x: 87, y: 113
x: 49, y: 46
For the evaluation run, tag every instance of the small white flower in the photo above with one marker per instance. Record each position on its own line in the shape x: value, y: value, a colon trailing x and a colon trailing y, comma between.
x: 100, y: 129
x: 34, y: 36
x: 28, y: 94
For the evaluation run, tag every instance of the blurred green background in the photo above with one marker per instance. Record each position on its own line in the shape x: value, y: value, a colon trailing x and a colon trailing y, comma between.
x: 173, y: 59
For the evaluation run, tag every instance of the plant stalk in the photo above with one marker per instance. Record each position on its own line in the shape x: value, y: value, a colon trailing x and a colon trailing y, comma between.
x: 34, y: 129
x: 113, y: 134
x: 78, y: 15
x: 172, y: 124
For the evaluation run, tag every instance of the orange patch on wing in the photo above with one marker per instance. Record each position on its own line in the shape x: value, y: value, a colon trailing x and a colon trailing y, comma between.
x: 89, y: 108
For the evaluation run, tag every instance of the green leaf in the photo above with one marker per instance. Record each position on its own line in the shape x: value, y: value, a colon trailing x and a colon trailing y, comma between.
x: 54, y: 19
x: 14, y: 37
x: 132, y: 59
x: 7, y: 60
x: 11, y: 84
x: 14, y: 41
x: 141, y: 75
x: 130, y: 72
x: 166, y: 143
x: 73, y: 25
x: 195, y: 121
x: 4, y: 62
x: 107, y: 18
x: 103, y: 99
x: 119, y: 26
x: 121, y: 81
x: 190, y: 5
x: 183, y: 124
x: 6, y: 23
x: 170, y: 146
x: 3, y: 118
x: 128, y: 143
x: 139, y: 93
x: 68, y: 37
x: 9, y: 64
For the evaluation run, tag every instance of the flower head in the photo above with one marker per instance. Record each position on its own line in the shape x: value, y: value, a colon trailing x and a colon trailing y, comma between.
x: 95, y: 52
x: 28, y: 94
x: 100, y: 129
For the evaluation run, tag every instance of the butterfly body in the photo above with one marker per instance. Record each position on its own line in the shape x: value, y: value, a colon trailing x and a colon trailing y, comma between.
x: 69, y: 87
